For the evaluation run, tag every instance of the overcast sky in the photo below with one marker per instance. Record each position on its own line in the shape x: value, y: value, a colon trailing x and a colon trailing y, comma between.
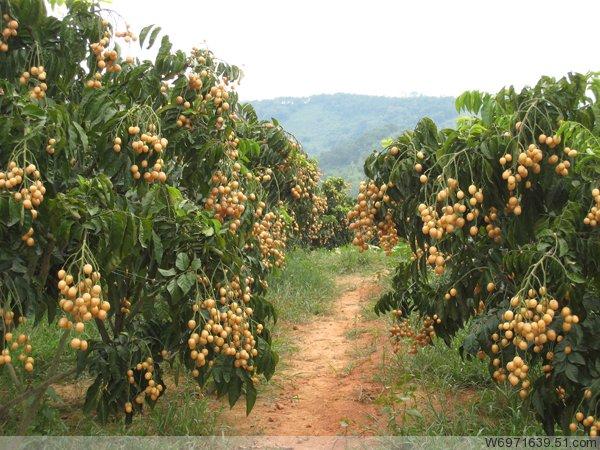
x: 377, y: 47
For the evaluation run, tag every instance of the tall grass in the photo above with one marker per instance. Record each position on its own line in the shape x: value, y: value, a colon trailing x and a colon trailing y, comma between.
x: 437, y: 392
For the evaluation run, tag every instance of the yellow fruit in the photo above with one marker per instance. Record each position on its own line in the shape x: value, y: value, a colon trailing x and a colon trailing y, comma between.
x: 75, y: 343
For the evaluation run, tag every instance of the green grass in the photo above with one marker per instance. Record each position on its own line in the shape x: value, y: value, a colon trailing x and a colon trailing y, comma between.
x: 306, y: 286
x: 436, y: 392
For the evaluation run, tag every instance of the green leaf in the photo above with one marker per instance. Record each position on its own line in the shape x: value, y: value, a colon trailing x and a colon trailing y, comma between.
x: 183, y: 261
x: 414, y: 413
x: 158, y: 247
x: 153, y: 36
x: 92, y: 395
x: 576, y: 358
x: 572, y: 373
x: 32, y: 110
x: 186, y: 281
x: 235, y: 390
x: 82, y: 136
x: 250, y: 396
x: 15, y: 212
x: 172, y: 288
x: 167, y: 273
x: 143, y: 33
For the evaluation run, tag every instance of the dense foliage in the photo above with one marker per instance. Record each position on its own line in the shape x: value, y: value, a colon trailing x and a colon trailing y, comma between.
x: 141, y: 207
x: 333, y: 230
x: 502, y: 216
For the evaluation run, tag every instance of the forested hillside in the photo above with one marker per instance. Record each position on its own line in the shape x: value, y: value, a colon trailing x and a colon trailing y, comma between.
x: 354, y: 124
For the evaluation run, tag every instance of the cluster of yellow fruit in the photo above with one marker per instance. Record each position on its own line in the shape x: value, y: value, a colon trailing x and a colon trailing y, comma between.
x: 181, y: 101
x: 233, y: 290
x: 99, y: 51
x: 13, y: 344
x: 313, y: 226
x: 8, y: 317
x: 528, y: 161
x: 450, y: 294
x: 418, y: 253
x: 297, y: 192
x: 518, y: 371
x: 404, y: 330
x: 305, y: 182
x: 125, y: 307
x: 562, y: 166
x: 28, y: 238
x: 529, y: 323
x: 454, y: 216
x: 108, y: 61
x: 493, y: 231
x: 387, y: 233
x: 50, y: 146
x: 202, y: 56
x: 149, y: 144
x: 194, y: 83
x: 399, y: 331
x: 37, y: 78
x: 82, y: 300
x: 29, y: 189
x: 589, y: 423
x: 226, y: 198
x: 183, y: 121
x: 218, y: 95
x: 227, y: 332
x: 418, y: 166
x: 272, y: 239
x: 362, y: 216
x: 263, y: 175
x: 9, y: 31
x: 127, y: 35
x: 105, y: 59
x: 144, y: 378
x: 593, y: 216
x: 95, y: 83
x: 150, y: 176
x: 437, y: 259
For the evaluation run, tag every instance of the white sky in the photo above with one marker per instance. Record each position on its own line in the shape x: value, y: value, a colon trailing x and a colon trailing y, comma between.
x: 377, y: 47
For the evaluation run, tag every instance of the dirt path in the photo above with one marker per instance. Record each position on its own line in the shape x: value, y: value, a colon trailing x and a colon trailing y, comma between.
x: 326, y: 387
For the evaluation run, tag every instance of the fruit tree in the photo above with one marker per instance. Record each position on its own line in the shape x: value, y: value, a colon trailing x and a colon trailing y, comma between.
x: 502, y: 215
x: 141, y: 207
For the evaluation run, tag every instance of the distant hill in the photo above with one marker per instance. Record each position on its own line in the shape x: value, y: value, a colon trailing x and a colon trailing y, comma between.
x: 341, y: 129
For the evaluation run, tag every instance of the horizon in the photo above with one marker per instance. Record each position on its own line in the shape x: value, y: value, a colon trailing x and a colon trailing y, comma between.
x: 410, y: 95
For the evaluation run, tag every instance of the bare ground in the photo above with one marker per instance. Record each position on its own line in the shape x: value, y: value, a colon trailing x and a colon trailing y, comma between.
x: 326, y: 387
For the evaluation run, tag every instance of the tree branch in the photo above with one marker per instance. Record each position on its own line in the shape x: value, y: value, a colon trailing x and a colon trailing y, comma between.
x: 102, y: 329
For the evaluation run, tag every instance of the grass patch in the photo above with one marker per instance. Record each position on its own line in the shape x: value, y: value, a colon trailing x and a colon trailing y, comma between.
x: 355, y: 333
x: 185, y: 410
x: 436, y: 392
x: 305, y: 287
